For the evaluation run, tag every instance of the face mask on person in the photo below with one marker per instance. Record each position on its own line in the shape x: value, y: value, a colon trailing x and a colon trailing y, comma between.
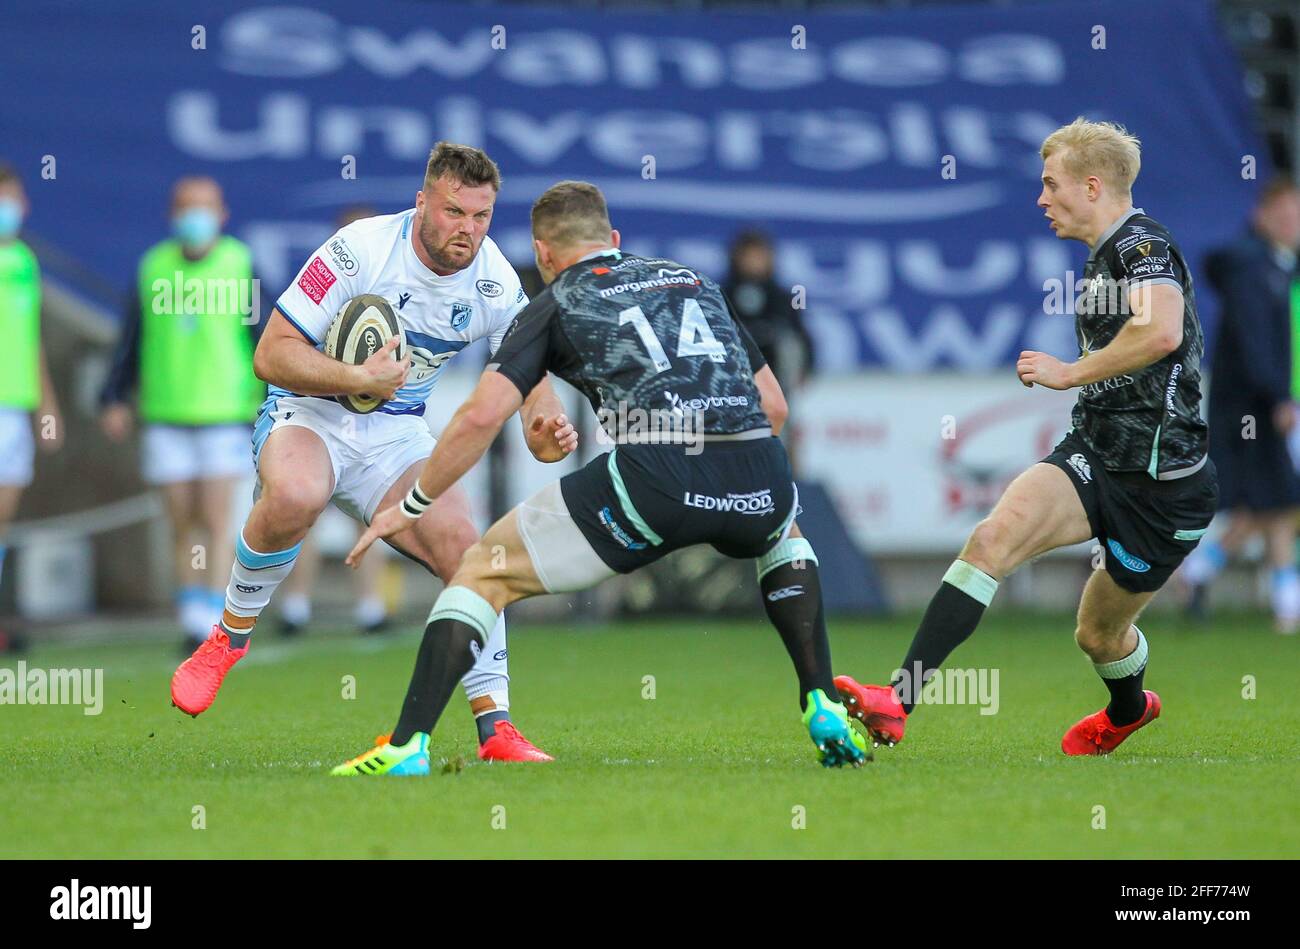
x: 11, y: 217
x: 196, y: 228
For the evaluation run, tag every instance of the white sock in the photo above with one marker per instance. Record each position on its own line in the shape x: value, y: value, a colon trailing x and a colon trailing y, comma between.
x: 255, y: 576
x: 489, y: 676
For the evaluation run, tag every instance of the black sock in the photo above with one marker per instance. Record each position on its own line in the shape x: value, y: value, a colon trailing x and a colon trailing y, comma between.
x: 1123, y: 679
x: 487, y: 723
x: 792, y: 596
x: 949, y: 620
x: 1127, y: 700
x: 445, y: 656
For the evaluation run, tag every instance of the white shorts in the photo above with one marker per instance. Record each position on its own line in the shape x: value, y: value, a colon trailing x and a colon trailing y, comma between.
x: 16, y: 446
x: 562, y: 558
x: 172, y: 453
x: 368, y: 453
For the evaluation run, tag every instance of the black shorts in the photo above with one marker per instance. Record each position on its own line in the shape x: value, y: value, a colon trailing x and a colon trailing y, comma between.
x: 1146, y: 526
x: 640, y: 502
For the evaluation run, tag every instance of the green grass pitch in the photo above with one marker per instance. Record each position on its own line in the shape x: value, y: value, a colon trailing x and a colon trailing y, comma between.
x: 715, y: 765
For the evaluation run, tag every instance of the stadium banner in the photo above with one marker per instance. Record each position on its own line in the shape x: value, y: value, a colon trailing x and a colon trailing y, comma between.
x: 893, y: 155
x: 913, y: 463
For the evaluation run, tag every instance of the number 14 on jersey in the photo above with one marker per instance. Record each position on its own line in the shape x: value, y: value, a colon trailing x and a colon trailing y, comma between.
x: 694, y: 339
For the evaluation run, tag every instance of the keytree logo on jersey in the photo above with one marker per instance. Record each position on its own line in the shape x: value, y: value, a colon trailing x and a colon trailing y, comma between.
x: 490, y: 288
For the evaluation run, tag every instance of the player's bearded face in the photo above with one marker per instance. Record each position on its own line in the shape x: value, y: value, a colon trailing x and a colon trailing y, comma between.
x: 455, y: 220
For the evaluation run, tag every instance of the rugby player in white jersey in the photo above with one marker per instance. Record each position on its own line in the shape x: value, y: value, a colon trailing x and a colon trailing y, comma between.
x: 449, y: 285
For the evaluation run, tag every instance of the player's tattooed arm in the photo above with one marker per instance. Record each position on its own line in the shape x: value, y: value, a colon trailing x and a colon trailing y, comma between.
x: 1153, y: 332
x: 773, y: 399
x: 286, y: 358
x: 547, y: 429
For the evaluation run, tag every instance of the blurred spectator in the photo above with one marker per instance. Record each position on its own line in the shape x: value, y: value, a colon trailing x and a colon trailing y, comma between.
x: 24, y: 379
x: 186, y: 352
x: 768, y: 312
x: 369, y: 613
x: 1254, y: 383
x: 767, y: 309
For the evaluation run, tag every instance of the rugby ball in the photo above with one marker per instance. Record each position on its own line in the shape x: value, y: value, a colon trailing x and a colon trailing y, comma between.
x: 360, y: 329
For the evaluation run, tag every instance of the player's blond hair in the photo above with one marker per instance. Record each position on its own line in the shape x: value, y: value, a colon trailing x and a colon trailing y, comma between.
x: 1105, y: 149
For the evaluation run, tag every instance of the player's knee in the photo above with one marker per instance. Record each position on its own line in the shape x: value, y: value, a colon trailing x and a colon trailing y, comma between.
x: 295, y: 503
x: 479, y: 571
x: 988, y: 547
x: 1094, y: 638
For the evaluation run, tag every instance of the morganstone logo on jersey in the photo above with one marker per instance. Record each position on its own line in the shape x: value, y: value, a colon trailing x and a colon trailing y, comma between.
x: 490, y: 288
x: 680, y: 277
x: 460, y: 315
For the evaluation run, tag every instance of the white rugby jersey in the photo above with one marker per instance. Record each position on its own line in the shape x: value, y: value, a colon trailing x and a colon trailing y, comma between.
x: 441, y: 315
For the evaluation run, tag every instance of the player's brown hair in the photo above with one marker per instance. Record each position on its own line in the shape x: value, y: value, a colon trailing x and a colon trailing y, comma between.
x: 571, y: 212
x: 464, y: 163
x: 1104, y: 149
x: 9, y: 175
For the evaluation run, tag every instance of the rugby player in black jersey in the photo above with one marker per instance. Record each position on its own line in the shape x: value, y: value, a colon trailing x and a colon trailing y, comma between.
x: 1133, y: 472
x: 694, y: 411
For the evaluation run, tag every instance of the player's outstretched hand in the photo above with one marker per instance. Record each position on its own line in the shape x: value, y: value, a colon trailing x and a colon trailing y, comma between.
x: 1043, y: 369
x: 552, y: 439
x: 387, y: 523
x: 384, y: 375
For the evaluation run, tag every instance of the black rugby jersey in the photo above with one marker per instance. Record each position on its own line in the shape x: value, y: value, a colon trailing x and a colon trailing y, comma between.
x: 650, y: 342
x: 1148, y: 420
